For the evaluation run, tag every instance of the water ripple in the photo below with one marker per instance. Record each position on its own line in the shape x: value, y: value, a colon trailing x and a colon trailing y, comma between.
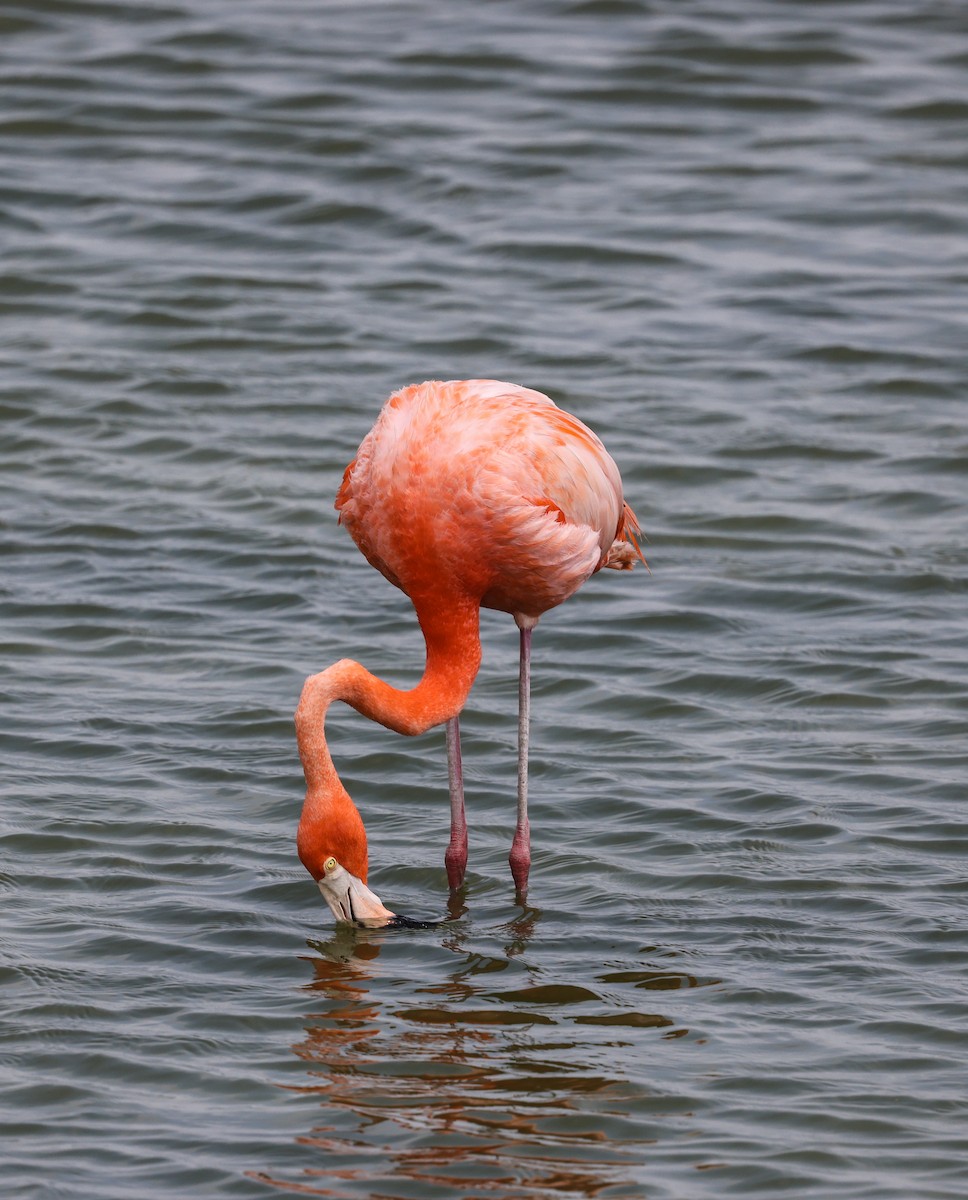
x: 729, y: 236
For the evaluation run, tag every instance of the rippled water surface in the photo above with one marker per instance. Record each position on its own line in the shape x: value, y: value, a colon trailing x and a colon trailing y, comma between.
x: 733, y: 237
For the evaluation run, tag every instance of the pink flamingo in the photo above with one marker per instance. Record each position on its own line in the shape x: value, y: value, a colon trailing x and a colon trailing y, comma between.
x: 463, y: 494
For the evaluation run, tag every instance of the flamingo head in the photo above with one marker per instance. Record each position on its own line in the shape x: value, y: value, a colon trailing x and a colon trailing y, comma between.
x: 331, y: 841
x: 349, y: 898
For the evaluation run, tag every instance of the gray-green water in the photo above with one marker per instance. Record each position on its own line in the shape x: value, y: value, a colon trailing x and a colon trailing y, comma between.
x: 733, y: 237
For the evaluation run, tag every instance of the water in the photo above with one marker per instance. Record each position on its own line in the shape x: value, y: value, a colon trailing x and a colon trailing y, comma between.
x: 731, y: 237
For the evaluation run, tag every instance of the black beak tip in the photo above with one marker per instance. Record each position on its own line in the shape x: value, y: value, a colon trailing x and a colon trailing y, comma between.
x: 401, y: 922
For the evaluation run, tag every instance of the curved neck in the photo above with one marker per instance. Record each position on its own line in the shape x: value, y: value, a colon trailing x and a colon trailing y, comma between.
x: 330, y: 822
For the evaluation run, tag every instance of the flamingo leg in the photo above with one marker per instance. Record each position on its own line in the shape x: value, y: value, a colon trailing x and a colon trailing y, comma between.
x: 520, y: 856
x: 455, y: 858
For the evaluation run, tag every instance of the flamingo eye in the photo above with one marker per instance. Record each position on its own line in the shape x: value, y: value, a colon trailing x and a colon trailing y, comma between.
x: 330, y: 865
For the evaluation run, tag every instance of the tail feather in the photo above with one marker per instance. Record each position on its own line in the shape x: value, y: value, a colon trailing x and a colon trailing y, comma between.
x: 625, y: 549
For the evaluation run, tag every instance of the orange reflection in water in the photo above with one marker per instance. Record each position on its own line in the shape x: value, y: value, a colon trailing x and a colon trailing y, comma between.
x: 473, y: 1092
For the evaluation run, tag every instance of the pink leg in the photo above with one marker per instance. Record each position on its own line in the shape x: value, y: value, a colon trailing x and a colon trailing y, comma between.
x: 455, y: 859
x: 520, y: 856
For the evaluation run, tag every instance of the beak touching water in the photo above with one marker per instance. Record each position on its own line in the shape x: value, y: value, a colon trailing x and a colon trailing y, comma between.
x: 350, y: 899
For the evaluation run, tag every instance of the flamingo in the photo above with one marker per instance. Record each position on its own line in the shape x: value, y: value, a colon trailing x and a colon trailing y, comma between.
x: 464, y: 494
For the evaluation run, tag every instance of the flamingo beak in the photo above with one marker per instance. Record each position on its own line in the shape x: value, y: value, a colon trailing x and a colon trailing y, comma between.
x: 350, y: 899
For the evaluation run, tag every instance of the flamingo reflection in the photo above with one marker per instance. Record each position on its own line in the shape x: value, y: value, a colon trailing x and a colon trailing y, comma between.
x: 453, y: 1090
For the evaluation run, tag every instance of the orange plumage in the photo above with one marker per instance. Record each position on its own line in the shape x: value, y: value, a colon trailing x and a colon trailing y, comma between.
x: 464, y: 494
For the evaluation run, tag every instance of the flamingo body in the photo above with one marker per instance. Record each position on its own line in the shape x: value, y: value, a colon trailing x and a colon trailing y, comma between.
x: 485, y: 487
x: 464, y: 494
